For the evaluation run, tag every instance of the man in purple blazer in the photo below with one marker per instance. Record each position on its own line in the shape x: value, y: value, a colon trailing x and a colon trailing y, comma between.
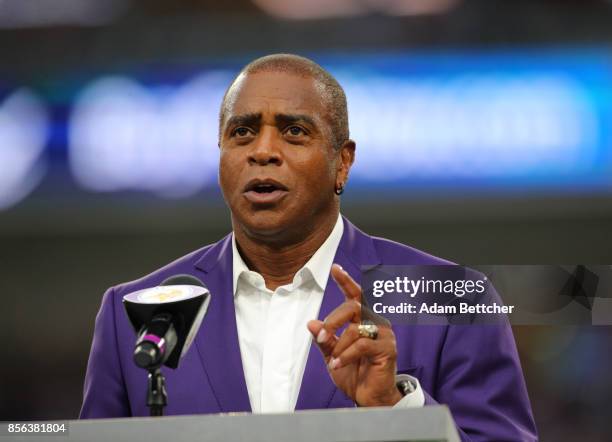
x: 285, y: 156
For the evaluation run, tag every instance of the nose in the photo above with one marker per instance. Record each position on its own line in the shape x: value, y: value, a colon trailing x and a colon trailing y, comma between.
x: 266, y: 149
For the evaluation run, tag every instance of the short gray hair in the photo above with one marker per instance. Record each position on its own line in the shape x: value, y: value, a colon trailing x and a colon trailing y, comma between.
x: 331, y: 91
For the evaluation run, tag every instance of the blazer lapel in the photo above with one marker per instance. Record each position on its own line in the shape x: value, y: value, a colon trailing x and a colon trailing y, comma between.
x: 317, y: 389
x: 217, y: 339
x: 355, y: 250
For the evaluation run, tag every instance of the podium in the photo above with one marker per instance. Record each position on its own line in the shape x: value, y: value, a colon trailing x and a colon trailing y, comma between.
x: 431, y: 423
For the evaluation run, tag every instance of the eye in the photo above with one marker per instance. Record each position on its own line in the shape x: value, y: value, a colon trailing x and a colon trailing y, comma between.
x: 295, y: 131
x: 241, y: 131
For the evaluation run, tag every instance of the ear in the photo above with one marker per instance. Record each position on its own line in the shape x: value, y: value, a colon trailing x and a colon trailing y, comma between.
x: 346, y: 159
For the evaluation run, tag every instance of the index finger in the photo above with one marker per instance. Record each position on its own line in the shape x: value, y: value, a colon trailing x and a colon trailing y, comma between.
x: 351, y: 290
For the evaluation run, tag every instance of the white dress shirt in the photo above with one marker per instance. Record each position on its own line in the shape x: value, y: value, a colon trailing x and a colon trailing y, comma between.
x: 274, y: 340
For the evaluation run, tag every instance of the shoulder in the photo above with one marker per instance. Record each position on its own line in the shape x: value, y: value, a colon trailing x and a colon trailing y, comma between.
x: 392, y: 252
x: 184, y: 265
x: 362, y: 248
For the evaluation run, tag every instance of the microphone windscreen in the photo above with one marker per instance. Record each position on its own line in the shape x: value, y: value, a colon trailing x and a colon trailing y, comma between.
x: 183, y: 280
x: 184, y: 297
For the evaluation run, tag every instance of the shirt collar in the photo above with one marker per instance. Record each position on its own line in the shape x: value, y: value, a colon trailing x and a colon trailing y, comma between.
x: 318, y: 266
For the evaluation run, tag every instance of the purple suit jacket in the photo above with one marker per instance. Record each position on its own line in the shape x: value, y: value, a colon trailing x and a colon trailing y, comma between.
x: 475, y: 370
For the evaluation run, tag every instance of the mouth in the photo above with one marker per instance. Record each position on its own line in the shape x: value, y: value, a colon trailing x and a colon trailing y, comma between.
x: 264, y: 191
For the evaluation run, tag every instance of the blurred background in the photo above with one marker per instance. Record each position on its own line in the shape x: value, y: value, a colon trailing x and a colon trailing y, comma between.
x: 483, y: 129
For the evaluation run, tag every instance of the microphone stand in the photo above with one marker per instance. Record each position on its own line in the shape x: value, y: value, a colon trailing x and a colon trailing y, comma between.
x: 157, y: 397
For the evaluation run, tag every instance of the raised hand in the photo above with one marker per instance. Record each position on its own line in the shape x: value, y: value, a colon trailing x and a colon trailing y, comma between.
x: 362, y: 367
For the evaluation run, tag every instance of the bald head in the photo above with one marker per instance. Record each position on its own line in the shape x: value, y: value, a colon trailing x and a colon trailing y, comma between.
x: 331, y: 93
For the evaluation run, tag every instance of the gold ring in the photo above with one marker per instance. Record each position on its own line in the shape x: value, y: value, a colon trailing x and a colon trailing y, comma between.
x: 367, y: 329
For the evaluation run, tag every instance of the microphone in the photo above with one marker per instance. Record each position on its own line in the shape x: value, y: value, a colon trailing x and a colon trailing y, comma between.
x: 166, y: 318
x: 156, y: 342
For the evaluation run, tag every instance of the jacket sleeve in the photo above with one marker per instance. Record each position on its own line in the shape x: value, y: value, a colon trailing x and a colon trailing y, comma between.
x: 104, y: 393
x: 481, y: 380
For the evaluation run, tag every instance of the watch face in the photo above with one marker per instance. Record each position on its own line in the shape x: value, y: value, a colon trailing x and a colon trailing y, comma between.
x: 406, y: 387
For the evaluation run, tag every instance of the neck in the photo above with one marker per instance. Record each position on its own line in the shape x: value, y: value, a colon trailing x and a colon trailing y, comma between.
x: 278, y: 262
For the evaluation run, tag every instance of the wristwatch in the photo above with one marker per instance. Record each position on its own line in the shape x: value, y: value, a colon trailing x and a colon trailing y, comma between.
x: 405, y: 386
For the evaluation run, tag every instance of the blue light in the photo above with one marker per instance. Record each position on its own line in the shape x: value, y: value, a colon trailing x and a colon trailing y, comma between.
x: 475, y: 121
x: 124, y: 136
x: 24, y: 126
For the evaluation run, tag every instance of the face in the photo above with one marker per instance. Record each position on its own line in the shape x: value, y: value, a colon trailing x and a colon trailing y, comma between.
x: 278, y: 167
